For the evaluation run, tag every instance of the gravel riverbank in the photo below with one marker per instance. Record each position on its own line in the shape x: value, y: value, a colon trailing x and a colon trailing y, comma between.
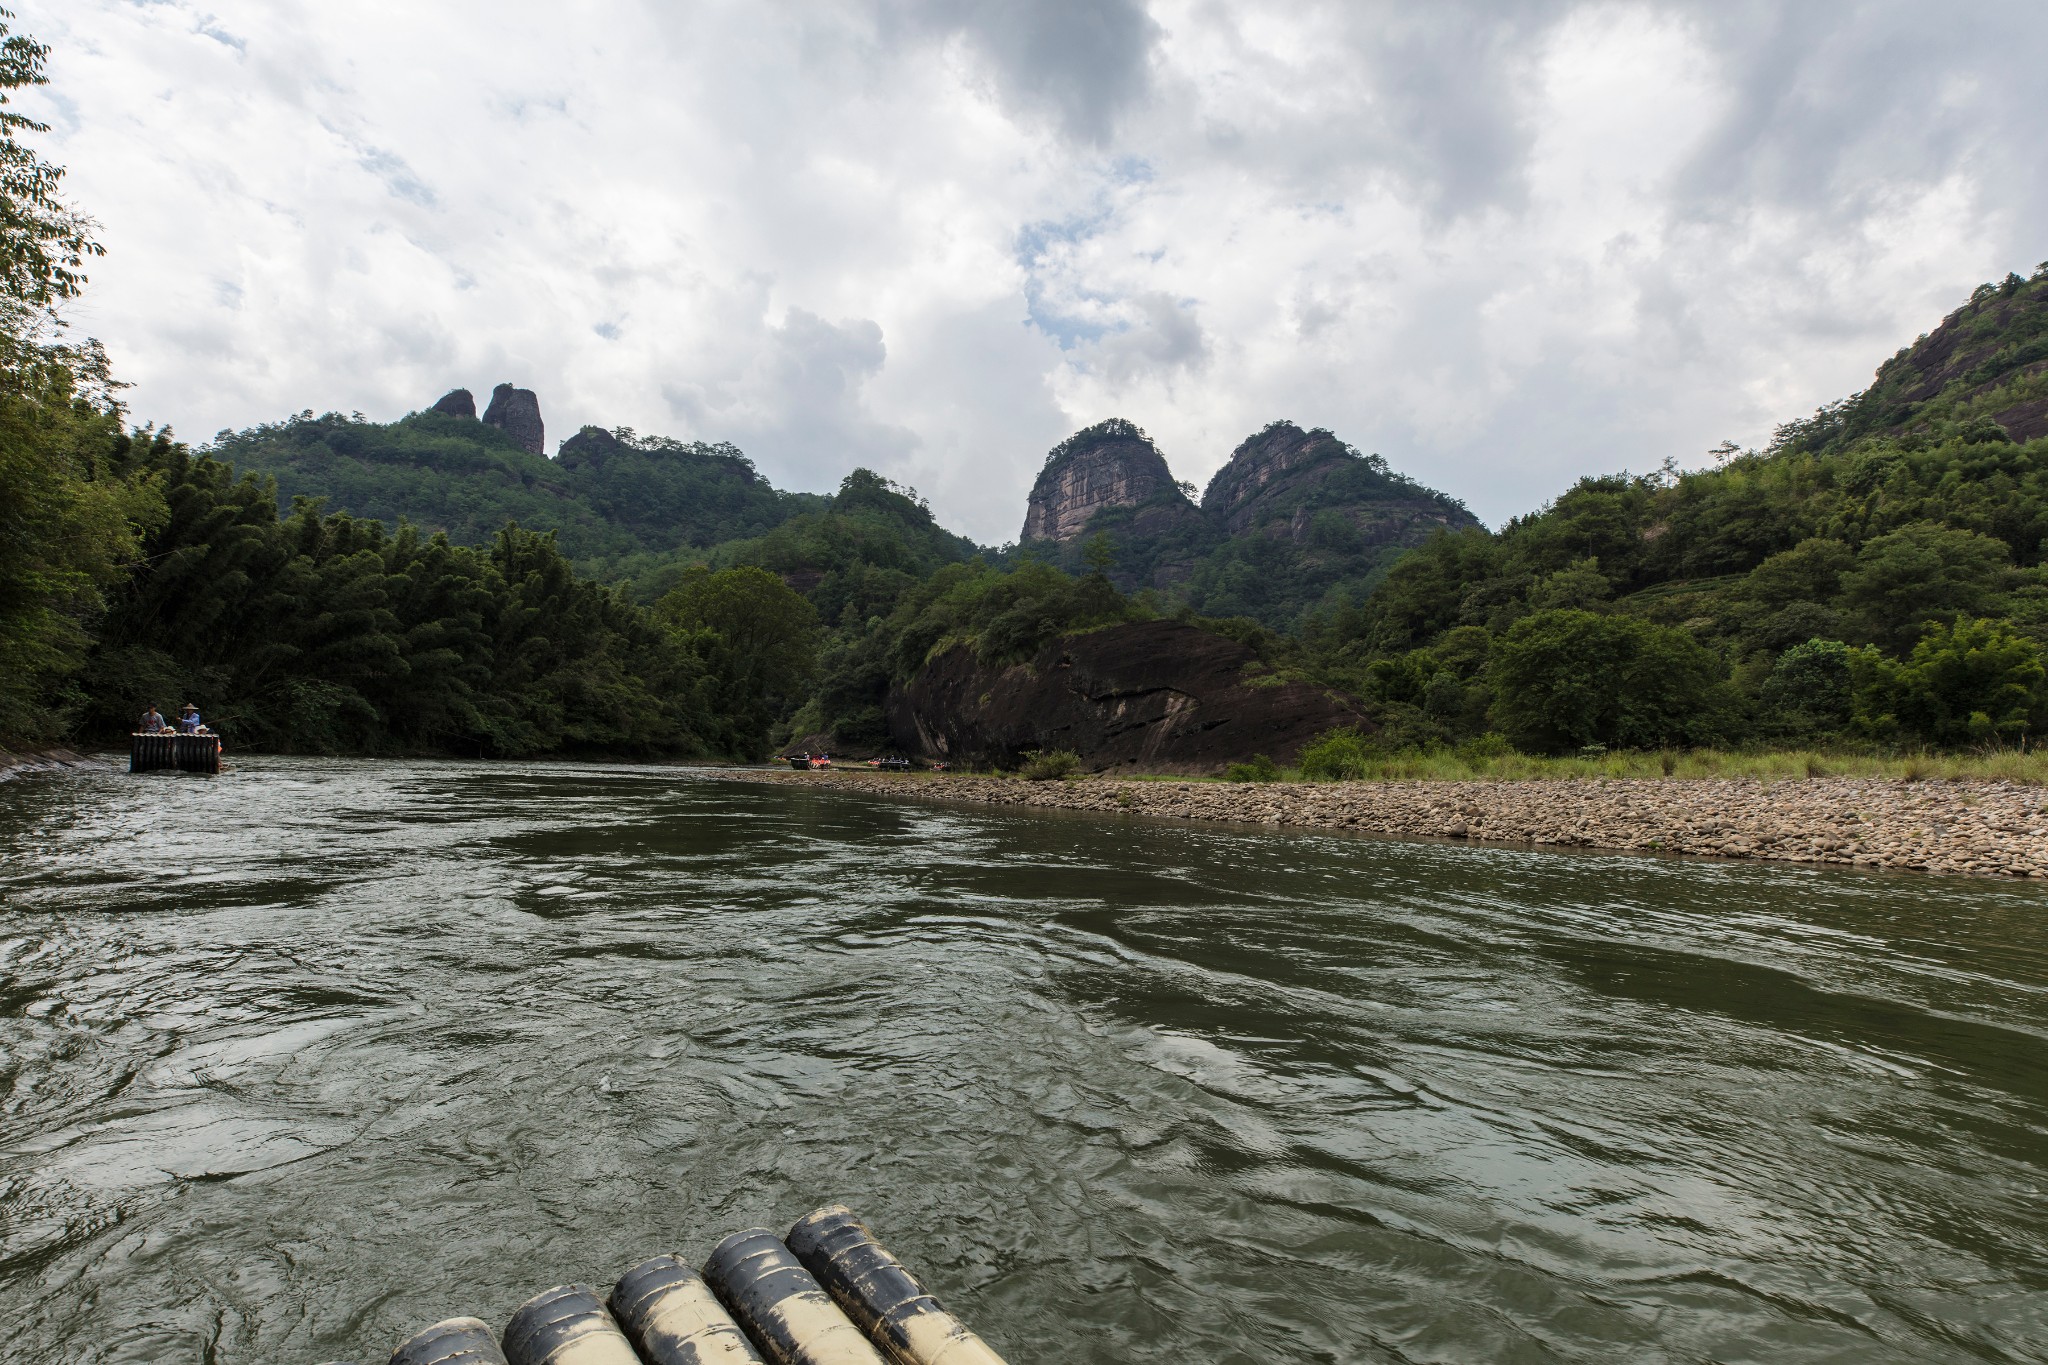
x: 1986, y: 828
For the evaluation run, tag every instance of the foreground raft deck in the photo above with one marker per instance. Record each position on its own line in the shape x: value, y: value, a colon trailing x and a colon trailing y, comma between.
x: 828, y: 1295
x: 186, y: 753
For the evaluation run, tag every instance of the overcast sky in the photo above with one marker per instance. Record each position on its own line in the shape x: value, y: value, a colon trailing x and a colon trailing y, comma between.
x: 1504, y: 243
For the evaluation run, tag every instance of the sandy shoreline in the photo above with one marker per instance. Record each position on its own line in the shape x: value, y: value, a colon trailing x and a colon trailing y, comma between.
x: 1983, y: 828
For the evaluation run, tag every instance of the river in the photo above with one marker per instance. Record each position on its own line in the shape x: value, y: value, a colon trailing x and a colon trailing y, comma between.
x: 301, y: 1058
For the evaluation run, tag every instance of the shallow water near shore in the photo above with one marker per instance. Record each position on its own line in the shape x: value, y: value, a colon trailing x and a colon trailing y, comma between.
x: 302, y: 1058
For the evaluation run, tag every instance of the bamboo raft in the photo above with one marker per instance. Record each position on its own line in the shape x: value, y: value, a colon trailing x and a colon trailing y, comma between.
x: 187, y: 753
x: 829, y: 1294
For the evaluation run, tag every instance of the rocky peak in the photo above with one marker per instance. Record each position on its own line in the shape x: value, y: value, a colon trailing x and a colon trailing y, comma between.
x: 591, y: 446
x: 456, y: 403
x: 516, y: 412
x: 1264, y: 462
x: 1281, y: 481
x: 1111, y: 464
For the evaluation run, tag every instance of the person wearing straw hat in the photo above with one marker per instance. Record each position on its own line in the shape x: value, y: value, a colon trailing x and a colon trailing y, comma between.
x: 189, y: 721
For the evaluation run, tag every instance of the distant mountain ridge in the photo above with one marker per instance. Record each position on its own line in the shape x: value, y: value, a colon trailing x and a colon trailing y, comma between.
x: 609, y: 495
x: 1294, y: 519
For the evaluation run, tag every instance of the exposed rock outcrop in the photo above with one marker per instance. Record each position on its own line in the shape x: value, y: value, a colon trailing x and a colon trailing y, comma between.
x: 591, y: 446
x: 1278, y: 482
x: 1111, y: 464
x: 516, y: 412
x: 456, y: 403
x: 1154, y: 696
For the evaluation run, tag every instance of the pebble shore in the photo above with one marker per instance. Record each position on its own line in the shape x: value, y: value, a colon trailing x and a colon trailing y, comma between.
x: 1997, y: 829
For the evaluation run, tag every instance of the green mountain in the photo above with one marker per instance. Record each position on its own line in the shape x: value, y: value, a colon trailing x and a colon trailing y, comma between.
x: 1294, y: 521
x: 609, y: 495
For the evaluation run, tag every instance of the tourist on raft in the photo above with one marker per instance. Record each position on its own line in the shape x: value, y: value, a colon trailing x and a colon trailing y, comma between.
x: 153, y: 722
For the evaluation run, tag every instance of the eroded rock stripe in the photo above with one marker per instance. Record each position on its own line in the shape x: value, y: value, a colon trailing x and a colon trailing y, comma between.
x: 1980, y: 827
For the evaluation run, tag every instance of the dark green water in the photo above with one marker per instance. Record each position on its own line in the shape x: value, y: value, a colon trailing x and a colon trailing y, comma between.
x: 302, y: 1058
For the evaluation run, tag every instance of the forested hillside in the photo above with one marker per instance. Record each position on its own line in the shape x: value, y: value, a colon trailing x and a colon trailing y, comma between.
x: 1874, y: 575
x: 615, y: 499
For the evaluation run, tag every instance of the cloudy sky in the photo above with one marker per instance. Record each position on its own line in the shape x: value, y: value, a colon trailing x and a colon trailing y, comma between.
x: 1504, y: 243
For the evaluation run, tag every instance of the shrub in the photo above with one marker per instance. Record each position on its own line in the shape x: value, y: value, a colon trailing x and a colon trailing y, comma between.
x: 1808, y: 691
x: 1060, y: 763
x: 1345, y: 755
x: 1258, y: 769
x: 1478, y: 753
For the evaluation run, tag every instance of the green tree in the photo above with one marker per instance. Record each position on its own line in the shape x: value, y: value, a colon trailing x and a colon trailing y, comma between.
x: 1971, y: 683
x: 69, y: 512
x: 1099, y: 554
x: 44, y: 241
x: 1809, y: 691
x: 1578, y: 586
x: 758, y: 641
x: 67, y: 533
x: 1566, y: 679
x: 1810, y: 571
x: 1918, y: 573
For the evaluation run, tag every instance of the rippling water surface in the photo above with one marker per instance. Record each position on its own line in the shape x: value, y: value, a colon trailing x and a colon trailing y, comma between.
x: 299, y: 1059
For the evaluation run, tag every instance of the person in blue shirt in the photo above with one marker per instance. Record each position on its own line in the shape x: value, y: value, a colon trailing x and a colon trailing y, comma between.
x: 190, y: 722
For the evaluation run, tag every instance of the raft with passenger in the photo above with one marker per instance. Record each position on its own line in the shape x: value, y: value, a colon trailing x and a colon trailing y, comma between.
x: 189, y: 746
x: 195, y: 751
x: 829, y: 1294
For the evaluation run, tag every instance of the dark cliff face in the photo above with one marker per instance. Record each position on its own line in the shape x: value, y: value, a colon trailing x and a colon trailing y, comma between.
x: 1155, y: 696
x: 457, y: 403
x: 1110, y: 465
x: 516, y: 412
x: 1283, y: 481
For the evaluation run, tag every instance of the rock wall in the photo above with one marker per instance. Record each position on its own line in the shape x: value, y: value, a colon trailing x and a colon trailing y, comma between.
x: 1154, y: 696
x: 1117, y: 467
x: 516, y: 412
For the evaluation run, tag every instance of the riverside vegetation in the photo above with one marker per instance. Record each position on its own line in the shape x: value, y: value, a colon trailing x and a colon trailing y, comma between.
x: 1870, y: 584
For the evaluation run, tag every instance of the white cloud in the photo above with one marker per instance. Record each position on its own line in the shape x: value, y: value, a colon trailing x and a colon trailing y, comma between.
x: 1502, y: 243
